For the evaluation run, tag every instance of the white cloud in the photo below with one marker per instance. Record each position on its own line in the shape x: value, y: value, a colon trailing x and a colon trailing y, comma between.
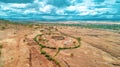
x: 30, y: 11
x: 71, y: 8
x: 13, y: 5
x: 17, y: 5
x: 36, y: 1
x: 41, y: 7
x: 46, y: 9
x: 52, y: 17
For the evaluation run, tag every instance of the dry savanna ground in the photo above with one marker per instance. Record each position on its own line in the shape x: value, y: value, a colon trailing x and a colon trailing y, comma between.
x: 98, y: 48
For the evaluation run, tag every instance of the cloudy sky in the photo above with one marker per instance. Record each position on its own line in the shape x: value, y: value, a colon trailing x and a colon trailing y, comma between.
x: 60, y: 9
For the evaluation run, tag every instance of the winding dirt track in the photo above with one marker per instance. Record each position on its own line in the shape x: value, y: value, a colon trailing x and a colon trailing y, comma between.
x: 99, y: 48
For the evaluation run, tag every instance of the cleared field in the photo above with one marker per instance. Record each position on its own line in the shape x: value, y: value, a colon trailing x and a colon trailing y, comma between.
x: 98, y: 47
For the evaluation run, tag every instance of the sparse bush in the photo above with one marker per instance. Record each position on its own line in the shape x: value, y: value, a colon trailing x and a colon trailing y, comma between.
x: 49, y: 58
x: 1, y: 46
x: 56, y: 29
x: 51, y: 47
x: 71, y: 55
x: 42, y: 46
x: 36, y: 27
x: 47, y: 55
x: 43, y: 52
x: 30, y: 25
x: 3, y: 28
x: 25, y: 35
x: 79, y: 39
x: 41, y: 30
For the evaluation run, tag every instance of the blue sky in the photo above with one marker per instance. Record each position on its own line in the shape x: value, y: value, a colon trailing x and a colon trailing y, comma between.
x: 60, y: 9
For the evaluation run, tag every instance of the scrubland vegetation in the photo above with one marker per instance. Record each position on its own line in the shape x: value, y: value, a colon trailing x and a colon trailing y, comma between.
x: 38, y: 40
x: 60, y: 43
x: 94, y: 25
x: 1, y: 46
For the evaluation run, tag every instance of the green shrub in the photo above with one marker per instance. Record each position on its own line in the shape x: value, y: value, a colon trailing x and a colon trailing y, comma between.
x: 51, y: 47
x: 3, y: 28
x: 30, y: 25
x: 56, y: 62
x: 47, y: 55
x: 79, y: 39
x: 49, y: 58
x: 1, y: 46
x: 43, y: 52
x: 43, y: 46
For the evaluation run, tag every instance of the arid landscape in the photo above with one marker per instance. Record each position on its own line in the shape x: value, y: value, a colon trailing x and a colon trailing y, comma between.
x: 52, y: 45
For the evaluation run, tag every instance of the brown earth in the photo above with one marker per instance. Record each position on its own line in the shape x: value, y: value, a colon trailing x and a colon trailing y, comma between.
x: 99, y: 48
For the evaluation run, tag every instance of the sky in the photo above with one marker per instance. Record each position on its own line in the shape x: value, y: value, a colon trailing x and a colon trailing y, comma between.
x: 60, y: 9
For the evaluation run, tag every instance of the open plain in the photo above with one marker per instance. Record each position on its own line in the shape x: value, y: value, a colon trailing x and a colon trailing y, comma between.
x: 18, y: 48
